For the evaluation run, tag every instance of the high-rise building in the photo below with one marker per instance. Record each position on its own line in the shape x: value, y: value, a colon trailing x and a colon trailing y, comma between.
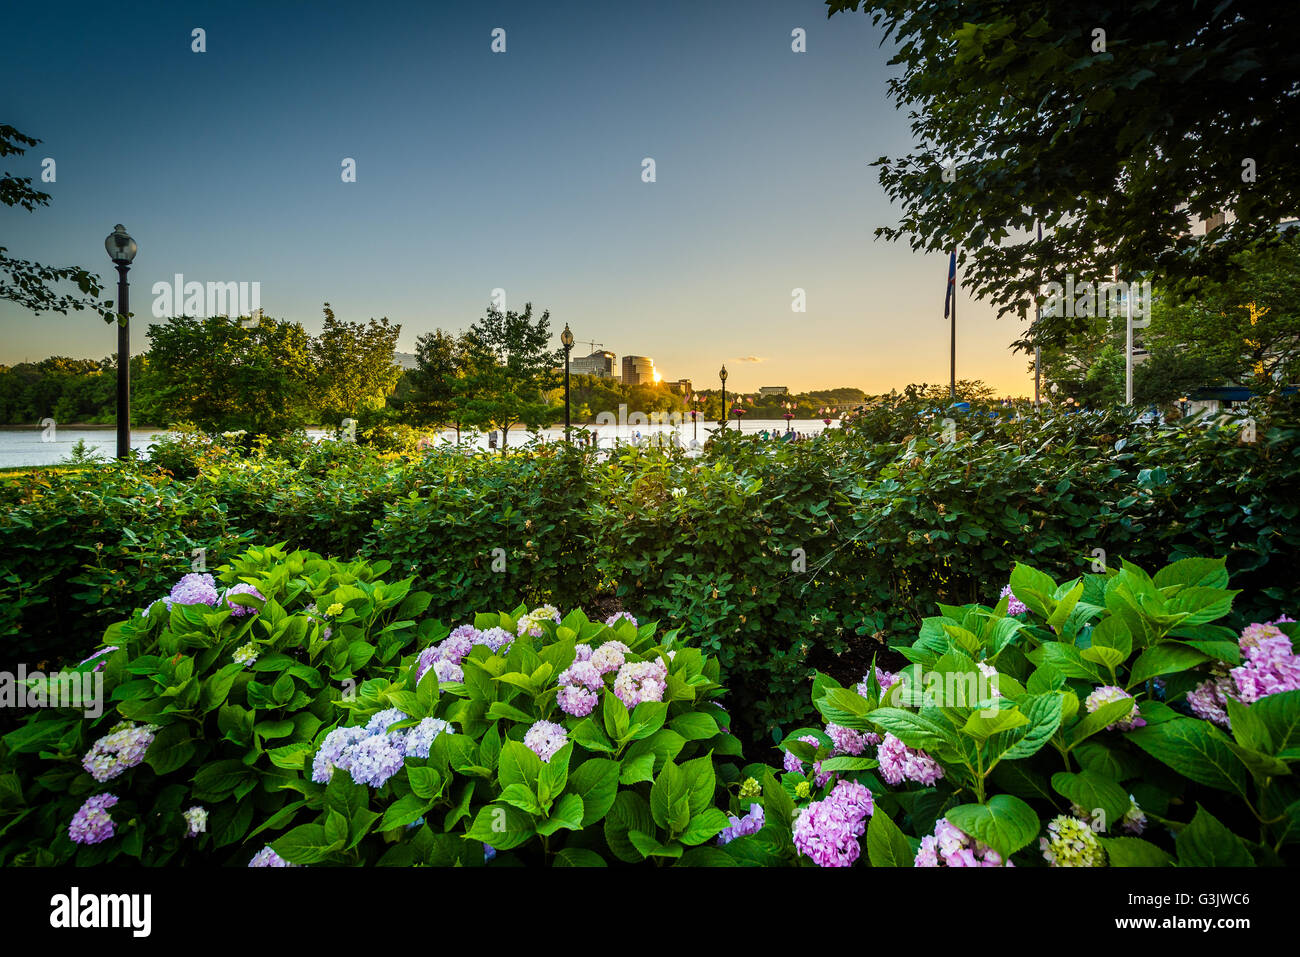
x: 638, y: 370
x: 598, y: 363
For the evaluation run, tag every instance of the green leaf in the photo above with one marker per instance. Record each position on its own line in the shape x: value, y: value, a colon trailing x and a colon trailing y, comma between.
x: 629, y: 813
x: 1005, y: 823
x: 694, y: 726
x: 616, y: 718
x: 914, y: 730
x: 1194, y: 749
x: 172, y: 747
x: 1134, y: 852
x: 567, y: 814
x: 1279, y: 715
x: 596, y: 782
x: 886, y: 844
x: 306, y: 844
x: 1105, y: 715
x: 405, y: 810
x: 1092, y: 792
x: 1207, y: 843
x: 578, y: 857
x: 778, y: 805
x: 635, y: 770
x: 503, y: 827
x: 668, y: 788
x: 1165, y: 658
x: 518, y: 764
x: 705, y: 826
x: 425, y: 782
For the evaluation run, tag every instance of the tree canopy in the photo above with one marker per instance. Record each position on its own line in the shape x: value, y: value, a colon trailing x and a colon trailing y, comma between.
x: 1108, y: 123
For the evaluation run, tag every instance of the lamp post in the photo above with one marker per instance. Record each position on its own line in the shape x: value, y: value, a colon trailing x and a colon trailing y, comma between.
x: 826, y: 414
x: 1182, y: 407
x: 122, y: 249
x: 739, y: 411
x: 566, y: 339
x: 695, y: 417
x: 788, y: 414
x: 722, y: 374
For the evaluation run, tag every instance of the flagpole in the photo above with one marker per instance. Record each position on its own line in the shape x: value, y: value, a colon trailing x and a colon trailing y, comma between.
x: 952, y: 365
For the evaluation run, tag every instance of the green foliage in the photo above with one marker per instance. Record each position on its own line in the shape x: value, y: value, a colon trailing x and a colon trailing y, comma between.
x: 335, y: 645
x: 1012, y: 710
x: 1043, y: 119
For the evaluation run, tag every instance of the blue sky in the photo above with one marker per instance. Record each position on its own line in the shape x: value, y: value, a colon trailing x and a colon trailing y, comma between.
x: 479, y: 170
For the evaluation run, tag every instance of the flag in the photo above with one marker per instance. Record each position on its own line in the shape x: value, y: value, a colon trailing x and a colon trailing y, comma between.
x: 952, y: 284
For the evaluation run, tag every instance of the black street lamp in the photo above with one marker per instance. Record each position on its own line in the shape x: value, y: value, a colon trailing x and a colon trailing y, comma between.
x: 722, y: 374
x: 566, y: 339
x: 695, y: 417
x: 122, y: 249
x: 788, y: 414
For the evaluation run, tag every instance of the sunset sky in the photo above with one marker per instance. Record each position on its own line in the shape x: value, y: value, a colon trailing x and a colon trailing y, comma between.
x: 478, y: 170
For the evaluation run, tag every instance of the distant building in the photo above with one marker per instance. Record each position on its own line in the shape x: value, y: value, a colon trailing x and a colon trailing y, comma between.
x: 638, y: 370
x: 774, y: 390
x: 598, y: 363
x: 681, y: 386
x: 406, y: 360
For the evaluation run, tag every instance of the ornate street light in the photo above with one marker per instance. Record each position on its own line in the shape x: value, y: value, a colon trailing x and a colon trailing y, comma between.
x: 722, y: 374
x: 122, y: 249
x: 827, y: 414
x: 696, y: 402
x: 739, y: 410
x: 788, y: 414
x: 566, y: 340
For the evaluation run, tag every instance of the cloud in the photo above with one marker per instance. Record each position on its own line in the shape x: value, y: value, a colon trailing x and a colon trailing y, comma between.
x: 751, y: 359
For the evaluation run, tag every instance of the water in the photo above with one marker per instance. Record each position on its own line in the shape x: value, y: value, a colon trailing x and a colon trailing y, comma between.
x: 34, y: 447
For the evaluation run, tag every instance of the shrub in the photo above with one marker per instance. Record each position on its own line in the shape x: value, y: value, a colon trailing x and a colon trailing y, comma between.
x: 287, y: 711
x: 1081, y: 731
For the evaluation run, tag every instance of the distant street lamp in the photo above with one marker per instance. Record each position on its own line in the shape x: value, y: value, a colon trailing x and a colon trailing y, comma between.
x: 122, y: 249
x: 827, y: 414
x: 566, y: 339
x: 696, y: 401
x: 722, y: 374
x: 1182, y: 406
x: 788, y: 414
x: 740, y: 411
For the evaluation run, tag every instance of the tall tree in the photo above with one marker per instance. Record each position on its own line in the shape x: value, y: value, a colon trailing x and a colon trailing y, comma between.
x: 1108, y: 122
x: 355, y: 367
x: 439, y: 382
x: 509, y: 367
x: 28, y: 283
x: 227, y: 373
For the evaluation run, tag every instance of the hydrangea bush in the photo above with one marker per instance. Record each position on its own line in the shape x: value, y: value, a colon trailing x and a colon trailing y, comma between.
x: 289, y: 710
x: 1109, y: 721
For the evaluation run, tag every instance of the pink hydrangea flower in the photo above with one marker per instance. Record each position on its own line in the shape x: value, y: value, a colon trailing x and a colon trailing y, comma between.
x: 1107, y: 694
x: 899, y: 763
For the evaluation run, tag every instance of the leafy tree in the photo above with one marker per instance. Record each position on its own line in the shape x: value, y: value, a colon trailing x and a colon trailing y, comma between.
x: 439, y: 383
x: 1244, y: 330
x: 26, y: 282
x: 1110, y: 138
x: 227, y: 373
x: 354, y: 365
x: 508, y: 367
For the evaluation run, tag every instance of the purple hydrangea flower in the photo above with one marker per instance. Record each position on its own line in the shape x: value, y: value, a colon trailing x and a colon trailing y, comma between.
x: 1014, y: 605
x: 639, y: 681
x: 374, y: 760
x: 91, y: 824
x: 584, y: 674
x: 194, y: 589
x: 266, y: 857
x: 751, y: 823
x: 118, y: 751
x: 545, y: 738
x: 610, y: 656
x: 576, y: 700
x: 948, y: 846
x: 827, y: 831
x: 1110, y: 693
x: 419, y: 739
x: 239, y: 611
x: 899, y: 763
x: 497, y: 639
x: 583, y: 652
x: 615, y: 618
x: 334, y: 753
x: 846, y: 740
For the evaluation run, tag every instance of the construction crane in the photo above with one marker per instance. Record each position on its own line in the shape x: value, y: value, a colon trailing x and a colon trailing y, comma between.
x: 593, y: 343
